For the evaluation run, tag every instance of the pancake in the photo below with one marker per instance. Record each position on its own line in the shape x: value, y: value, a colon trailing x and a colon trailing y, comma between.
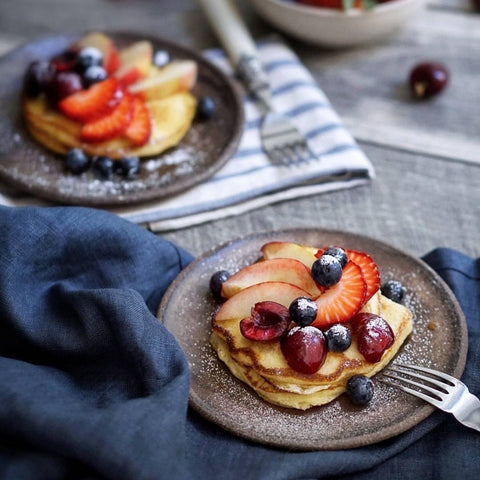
x: 171, y: 118
x: 263, y: 367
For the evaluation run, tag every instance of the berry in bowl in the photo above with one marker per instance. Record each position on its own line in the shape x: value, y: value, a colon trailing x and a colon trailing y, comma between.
x: 338, y: 23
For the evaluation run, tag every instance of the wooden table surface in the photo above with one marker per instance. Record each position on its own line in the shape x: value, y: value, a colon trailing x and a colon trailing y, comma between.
x: 426, y: 154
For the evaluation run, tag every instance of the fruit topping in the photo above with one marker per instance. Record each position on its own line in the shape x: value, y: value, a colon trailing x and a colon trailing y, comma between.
x: 62, y: 85
x: 88, y: 57
x: 338, y: 304
x: 92, y: 102
x: 304, y: 349
x: 393, y: 290
x: 369, y: 269
x: 76, y: 161
x: 94, y: 74
x: 303, y: 311
x: 374, y: 335
x: 338, y: 337
x: 103, y: 167
x: 206, y: 108
x: 360, y: 389
x: 337, y: 252
x: 428, y: 79
x: 128, y: 167
x: 37, y: 77
x: 326, y: 271
x: 268, y: 321
x: 110, y: 125
x: 141, y: 125
x: 216, y: 282
x: 65, y: 61
x: 161, y: 58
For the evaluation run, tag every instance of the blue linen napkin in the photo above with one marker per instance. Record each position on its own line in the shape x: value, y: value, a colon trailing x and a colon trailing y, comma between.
x: 93, y: 386
x: 249, y: 179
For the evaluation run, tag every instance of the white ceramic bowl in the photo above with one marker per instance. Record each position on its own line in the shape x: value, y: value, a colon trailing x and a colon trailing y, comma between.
x: 334, y: 28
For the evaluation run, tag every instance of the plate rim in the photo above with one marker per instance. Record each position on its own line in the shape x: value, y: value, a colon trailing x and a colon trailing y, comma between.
x: 372, y: 438
x: 154, y: 194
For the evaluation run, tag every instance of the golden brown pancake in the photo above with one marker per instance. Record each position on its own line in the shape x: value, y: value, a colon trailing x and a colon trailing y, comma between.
x: 171, y: 119
x: 263, y: 367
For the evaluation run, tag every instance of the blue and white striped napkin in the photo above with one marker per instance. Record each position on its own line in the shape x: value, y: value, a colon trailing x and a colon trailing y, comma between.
x: 249, y: 179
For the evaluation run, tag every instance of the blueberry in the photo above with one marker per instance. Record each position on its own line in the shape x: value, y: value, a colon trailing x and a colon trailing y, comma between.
x: 216, y: 282
x: 94, y: 74
x: 326, y: 271
x: 206, y: 108
x: 161, y: 58
x: 88, y: 57
x: 128, y: 167
x: 103, y: 167
x: 393, y: 290
x: 303, y: 311
x: 360, y: 389
x: 338, y: 338
x: 338, y: 253
x: 76, y: 161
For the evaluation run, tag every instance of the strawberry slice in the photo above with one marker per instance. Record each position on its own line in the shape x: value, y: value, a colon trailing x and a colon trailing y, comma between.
x: 112, y: 124
x: 92, y: 102
x: 140, y: 127
x: 339, y: 303
x: 369, y: 270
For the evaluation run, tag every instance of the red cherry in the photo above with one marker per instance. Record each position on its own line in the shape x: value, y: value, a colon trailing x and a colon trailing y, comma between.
x: 305, y: 349
x: 269, y: 321
x: 374, y: 335
x: 428, y: 79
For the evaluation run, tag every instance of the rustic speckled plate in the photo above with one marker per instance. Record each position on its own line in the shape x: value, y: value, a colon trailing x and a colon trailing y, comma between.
x: 187, y: 308
x: 27, y: 165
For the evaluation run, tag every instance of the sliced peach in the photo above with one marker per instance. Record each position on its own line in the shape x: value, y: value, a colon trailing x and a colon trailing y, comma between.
x: 302, y: 253
x: 135, y: 62
x: 106, y: 45
x: 240, y: 305
x: 287, y: 270
x: 178, y: 76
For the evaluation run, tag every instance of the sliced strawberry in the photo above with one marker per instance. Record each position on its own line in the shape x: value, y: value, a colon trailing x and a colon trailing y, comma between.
x: 92, y: 102
x: 369, y: 270
x: 339, y: 303
x: 141, y: 125
x: 112, y: 124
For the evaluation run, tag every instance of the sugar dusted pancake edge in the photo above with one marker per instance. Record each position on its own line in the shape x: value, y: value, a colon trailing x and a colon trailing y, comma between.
x: 287, y: 388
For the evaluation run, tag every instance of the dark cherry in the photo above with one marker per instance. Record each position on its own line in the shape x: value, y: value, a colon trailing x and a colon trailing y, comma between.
x: 428, y: 79
x: 63, y: 84
x: 374, y: 335
x: 268, y: 321
x: 37, y: 77
x: 304, y: 349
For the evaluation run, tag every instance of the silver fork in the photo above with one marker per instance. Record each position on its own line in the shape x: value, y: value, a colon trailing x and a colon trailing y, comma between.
x: 281, y: 140
x: 444, y: 391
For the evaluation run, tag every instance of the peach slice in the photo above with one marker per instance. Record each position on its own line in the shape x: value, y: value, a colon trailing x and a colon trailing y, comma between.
x: 240, y: 305
x: 302, y: 253
x: 177, y: 76
x: 135, y: 62
x: 105, y: 44
x: 287, y: 270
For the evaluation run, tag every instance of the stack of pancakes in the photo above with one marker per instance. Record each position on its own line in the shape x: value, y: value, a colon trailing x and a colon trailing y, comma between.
x: 262, y: 366
x: 171, y: 118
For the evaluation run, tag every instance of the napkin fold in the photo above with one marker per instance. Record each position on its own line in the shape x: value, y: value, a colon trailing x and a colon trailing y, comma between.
x: 249, y: 179
x: 93, y: 386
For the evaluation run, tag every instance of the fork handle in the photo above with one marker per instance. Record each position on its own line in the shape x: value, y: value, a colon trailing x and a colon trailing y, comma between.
x: 228, y: 25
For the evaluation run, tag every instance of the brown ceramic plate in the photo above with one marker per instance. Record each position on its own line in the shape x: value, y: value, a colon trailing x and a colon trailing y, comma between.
x: 27, y: 165
x: 187, y: 308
